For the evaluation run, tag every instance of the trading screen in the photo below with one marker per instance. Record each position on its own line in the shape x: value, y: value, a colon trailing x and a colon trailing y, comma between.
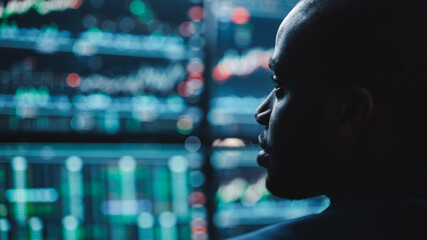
x: 101, y: 191
x: 133, y: 119
x: 101, y: 67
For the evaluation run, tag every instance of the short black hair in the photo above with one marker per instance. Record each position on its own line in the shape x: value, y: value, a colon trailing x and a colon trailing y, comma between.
x: 380, y: 45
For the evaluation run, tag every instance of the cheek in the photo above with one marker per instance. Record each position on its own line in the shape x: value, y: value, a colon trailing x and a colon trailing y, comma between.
x: 295, y: 126
x: 282, y: 122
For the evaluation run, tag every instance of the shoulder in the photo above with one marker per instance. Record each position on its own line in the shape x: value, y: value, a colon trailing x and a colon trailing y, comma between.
x: 379, y: 220
x: 273, y: 232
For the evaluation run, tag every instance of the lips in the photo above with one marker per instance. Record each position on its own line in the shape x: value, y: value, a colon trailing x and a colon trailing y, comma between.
x: 261, y: 141
x: 263, y: 157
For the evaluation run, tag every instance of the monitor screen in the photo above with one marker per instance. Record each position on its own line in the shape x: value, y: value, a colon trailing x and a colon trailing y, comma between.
x: 101, y: 191
x: 100, y: 67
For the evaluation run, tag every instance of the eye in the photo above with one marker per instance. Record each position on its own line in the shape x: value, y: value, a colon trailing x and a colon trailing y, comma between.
x: 279, y: 89
x: 275, y: 82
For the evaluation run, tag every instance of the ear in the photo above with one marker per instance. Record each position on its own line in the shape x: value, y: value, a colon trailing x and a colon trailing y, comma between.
x: 355, y: 110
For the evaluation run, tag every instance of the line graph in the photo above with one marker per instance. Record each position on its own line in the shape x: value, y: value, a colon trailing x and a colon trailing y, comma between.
x: 94, y: 41
x: 235, y: 64
x: 40, y: 6
x: 147, y: 78
x: 157, y: 78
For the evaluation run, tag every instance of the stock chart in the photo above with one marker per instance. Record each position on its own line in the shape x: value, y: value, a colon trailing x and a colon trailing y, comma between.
x: 101, y: 191
x: 134, y: 119
x: 101, y: 67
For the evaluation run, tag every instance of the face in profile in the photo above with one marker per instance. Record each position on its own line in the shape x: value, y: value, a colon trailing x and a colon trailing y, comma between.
x: 293, y: 117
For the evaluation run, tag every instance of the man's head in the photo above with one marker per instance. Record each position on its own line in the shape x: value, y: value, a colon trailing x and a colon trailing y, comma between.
x: 349, y: 94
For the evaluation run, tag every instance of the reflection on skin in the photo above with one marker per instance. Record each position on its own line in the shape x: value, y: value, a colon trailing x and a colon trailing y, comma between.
x: 293, y: 120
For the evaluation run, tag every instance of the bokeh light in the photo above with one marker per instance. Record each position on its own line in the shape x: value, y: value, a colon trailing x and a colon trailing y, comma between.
x: 146, y: 17
x: 70, y: 223
x: 137, y: 7
x: 73, y: 80
x: 185, y: 124
x: 240, y: 15
x: 19, y: 163
x: 167, y: 219
x: 221, y: 73
x: 195, y: 66
x: 192, y: 144
x: 89, y: 21
x: 75, y: 4
x: 127, y: 164
x: 195, y: 13
x: 197, y: 198
x: 74, y: 164
x: 229, y: 142
x: 127, y: 24
x: 4, y: 225
x: 146, y: 220
x: 35, y: 224
x: 187, y: 29
x: 184, y: 89
x: 197, y: 178
x: 178, y: 164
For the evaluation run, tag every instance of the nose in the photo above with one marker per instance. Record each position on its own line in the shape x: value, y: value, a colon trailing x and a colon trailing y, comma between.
x: 263, y: 112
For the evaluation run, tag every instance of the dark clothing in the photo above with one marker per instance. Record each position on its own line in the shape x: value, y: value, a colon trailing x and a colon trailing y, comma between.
x: 397, y: 219
x: 397, y: 210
